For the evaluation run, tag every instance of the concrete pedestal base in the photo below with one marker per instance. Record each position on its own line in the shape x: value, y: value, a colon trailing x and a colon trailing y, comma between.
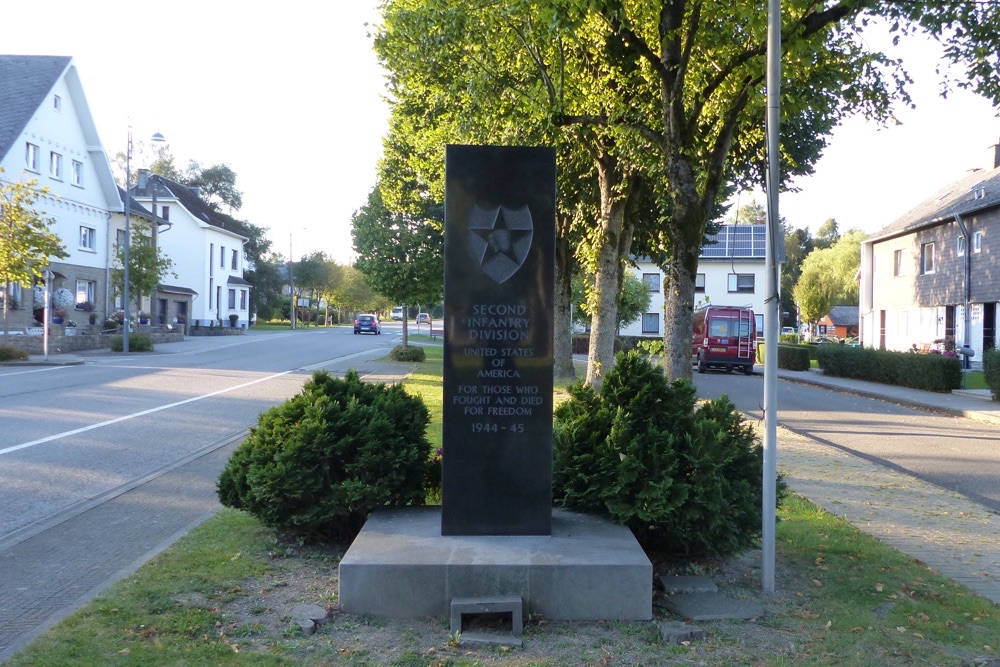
x: 400, y: 566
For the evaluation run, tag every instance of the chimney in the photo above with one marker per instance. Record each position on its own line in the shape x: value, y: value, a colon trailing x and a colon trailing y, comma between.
x: 143, y: 179
x: 996, y: 155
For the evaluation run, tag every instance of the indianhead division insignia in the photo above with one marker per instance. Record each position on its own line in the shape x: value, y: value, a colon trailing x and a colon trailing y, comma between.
x: 499, y: 239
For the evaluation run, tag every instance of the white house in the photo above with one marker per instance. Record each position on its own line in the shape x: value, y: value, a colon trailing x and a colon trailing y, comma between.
x: 731, y: 272
x: 47, y: 133
x: 206, y: 247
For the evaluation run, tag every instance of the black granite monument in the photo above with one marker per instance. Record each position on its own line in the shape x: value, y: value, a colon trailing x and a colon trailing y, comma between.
x: 499, y: 250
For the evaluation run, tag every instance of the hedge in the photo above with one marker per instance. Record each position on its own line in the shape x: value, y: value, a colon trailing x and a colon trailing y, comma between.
x: 991, y: 370
x: 929, y: 372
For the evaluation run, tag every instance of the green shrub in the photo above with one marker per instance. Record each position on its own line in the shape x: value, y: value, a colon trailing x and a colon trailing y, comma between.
x: 793, y: 357
x: 11, y: 353
x: 318, y: 464
x: 651, y: 346
x: 991, y: 370
x: 929, y: 372
x: 136, y: 343
x: 684, y: 478
x: 408, y: 353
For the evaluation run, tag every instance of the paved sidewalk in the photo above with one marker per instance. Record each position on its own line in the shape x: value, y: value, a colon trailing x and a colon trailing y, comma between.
x: 972, y: 404
x: 943, y: 529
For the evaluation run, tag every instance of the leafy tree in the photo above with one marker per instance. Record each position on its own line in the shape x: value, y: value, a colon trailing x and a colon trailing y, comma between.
x: 666, y: 95
x: 827, y: 234
x: 148, y: 266
x: 633, y: 301
x: 27, y: 245
x: 828, y: 277
x: 217, y: 183
x: 749, y: 214
x: 401, y: 255
x: 798, y: 244
x: 354, y: 294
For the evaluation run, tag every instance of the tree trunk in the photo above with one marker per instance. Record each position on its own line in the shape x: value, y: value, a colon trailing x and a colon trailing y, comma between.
x: 406, y: 334
x: 562, y: 367
x: 615, y: 242
x: 678, y: 316
x: 687, y: 231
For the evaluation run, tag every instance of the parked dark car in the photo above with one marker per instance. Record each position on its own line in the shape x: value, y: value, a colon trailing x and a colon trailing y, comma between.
x: 367, y: 324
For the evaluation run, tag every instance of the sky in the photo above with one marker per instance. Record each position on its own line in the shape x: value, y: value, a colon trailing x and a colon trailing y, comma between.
x: 291, y: 97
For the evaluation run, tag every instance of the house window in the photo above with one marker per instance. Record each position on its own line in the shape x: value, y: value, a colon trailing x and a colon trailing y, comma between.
x: 55, y: 165
x: 650, y: 323
x: 57, y: 103
x: 232, y: 299
x: 234, y: 260
x: 211, y: 268
x: 243, y: 299
x: 31, y: 157
x: 85, y: 292
x: 960, y: 246
x: 927, y: 258
x: 699, y: 282
x: 222, y: 256
x: 77, y: 173
x: 741, y: 282
x: 165, y: 212
x: 977, y: 242
x: 898, y: 257
x: 88, y: 238
x: 652, y: 281
x: 120, y: 238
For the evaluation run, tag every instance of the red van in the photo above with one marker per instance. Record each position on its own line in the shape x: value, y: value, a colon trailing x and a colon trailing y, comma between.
x: 724, y: 337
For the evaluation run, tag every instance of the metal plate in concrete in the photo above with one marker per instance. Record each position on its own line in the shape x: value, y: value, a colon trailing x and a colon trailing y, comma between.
x: 711, y: 607
x: 400, y: 566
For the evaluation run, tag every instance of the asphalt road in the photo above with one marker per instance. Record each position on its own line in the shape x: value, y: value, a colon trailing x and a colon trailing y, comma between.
x: 73, y: 434
x: 954, y: 453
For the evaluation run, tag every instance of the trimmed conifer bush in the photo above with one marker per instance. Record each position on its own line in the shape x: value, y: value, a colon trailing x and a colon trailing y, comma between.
x: 11, y: 353
x: 318, y: 464
x: 136, y: 343
x: 686, y: 478
x: 408, y: 353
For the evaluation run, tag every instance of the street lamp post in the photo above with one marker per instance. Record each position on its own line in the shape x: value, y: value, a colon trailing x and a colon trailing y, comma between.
x: 291, y: 282
x: 128, y: 236
x: 128, y: 241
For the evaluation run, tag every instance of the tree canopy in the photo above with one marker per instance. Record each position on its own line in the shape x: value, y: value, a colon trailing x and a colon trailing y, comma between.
x: 148, y: 266
x: 401, y: 255
x: 667, y: 100
x: 829, y: 277
x: 27, y: 245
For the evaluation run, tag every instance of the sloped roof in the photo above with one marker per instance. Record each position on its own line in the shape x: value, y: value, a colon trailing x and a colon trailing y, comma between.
x: 135, y: 208
x: 844, y: 316
x: 24, y: 83
x: 956, y: 198
x: 195, y: 205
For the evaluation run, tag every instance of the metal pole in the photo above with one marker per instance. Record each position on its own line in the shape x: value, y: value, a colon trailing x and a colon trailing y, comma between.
x: 772, y: 308
x: 291, y: 282
x: 47, y: 313
x: 128, y: 241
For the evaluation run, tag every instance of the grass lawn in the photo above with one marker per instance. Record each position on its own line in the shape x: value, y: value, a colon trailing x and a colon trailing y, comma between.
x: 220, y: 596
